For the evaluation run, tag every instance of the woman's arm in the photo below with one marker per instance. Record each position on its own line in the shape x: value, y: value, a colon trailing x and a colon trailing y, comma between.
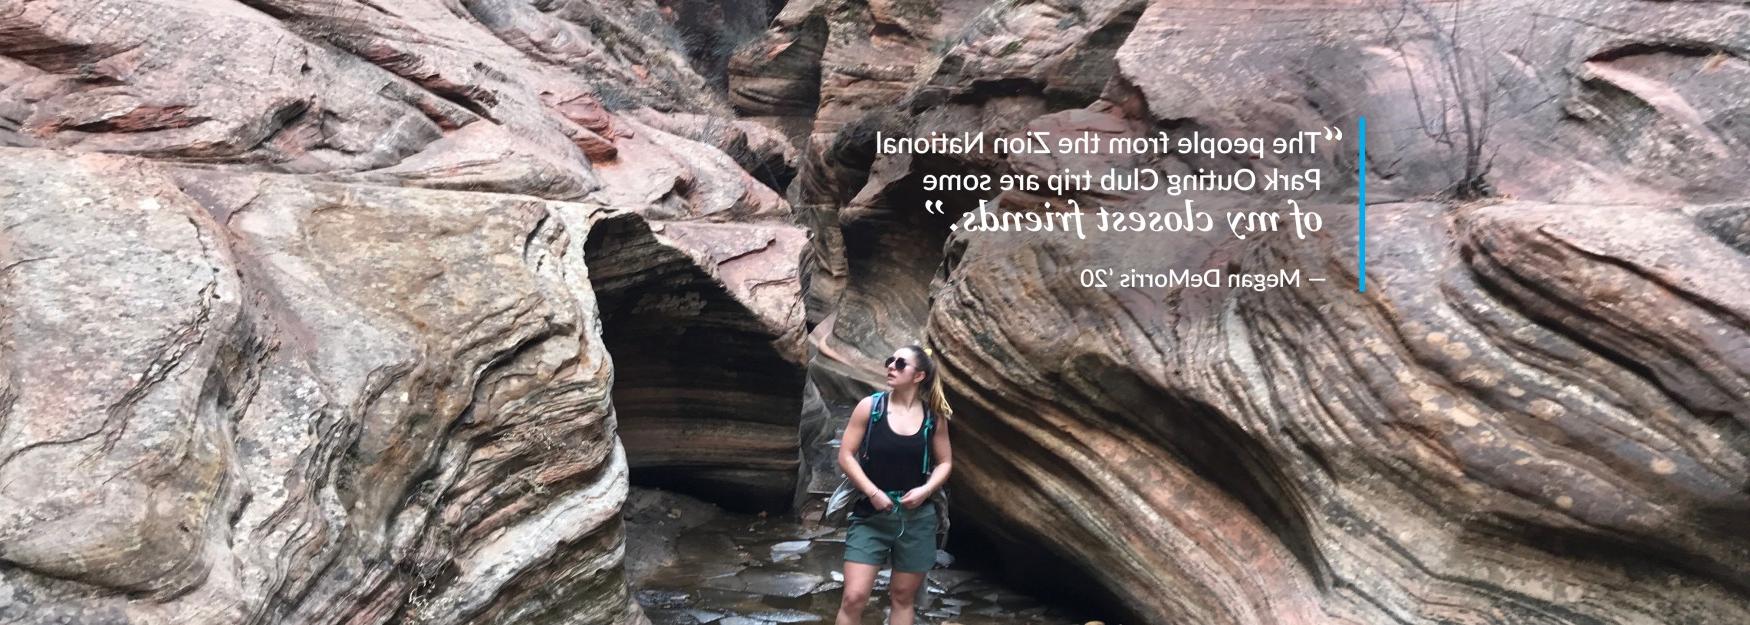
x: 848, y: 446
x: 944, y: 454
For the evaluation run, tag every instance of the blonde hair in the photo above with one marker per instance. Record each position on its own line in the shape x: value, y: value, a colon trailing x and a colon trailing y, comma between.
x: 932, y: 381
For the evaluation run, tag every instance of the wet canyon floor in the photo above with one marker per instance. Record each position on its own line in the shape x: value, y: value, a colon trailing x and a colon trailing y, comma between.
x: 692, y: 563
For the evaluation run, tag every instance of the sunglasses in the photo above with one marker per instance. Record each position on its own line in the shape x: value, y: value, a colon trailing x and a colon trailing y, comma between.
x: 896, y: 362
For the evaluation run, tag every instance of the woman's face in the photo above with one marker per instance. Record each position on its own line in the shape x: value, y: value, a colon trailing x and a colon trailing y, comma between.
x: 902, y: 368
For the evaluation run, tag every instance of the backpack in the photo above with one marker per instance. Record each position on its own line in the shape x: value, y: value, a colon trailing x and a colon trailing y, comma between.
x: 838, y: 507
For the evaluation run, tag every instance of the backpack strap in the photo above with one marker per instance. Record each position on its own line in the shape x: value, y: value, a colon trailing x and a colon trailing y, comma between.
x: 877, y: 410
x: 929, y: 424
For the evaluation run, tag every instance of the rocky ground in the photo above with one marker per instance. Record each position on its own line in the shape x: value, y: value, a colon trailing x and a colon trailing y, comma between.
x: 690, y: 563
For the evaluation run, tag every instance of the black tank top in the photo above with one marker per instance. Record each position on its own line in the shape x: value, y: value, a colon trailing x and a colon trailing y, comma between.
x: 894, y: 463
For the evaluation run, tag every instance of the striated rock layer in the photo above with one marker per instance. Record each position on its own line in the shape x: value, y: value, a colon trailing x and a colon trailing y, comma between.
x: 258, y: 399
x: 1534, y: 414
x: 302, y: 363
x: 832, y: 75
x: 704, y: 321
x: 479, y: 96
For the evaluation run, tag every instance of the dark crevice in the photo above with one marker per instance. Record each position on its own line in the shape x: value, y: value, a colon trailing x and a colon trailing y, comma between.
x: 885, y: 30
x: 990, y: 543
x: 690, y: 359
x: 159, y: 119
x: 710, y: 32
x: 289, y: 116
x: 1639, y: 48
x: 474, y: 99
x: 1618, y: 553
x: 1214, y: 448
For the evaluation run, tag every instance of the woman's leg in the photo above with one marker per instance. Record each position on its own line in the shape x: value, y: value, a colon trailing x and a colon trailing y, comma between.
x: 859, y: 582
x: 902, y: 592
x: 914, y: 552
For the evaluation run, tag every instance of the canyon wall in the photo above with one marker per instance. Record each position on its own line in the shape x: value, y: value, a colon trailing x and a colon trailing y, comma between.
x: 1535, y: 413
x: 368, y: 311
x: 299, y: 322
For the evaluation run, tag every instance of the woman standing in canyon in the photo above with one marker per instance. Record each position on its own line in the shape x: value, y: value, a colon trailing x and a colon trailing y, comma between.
x: 895, y: 451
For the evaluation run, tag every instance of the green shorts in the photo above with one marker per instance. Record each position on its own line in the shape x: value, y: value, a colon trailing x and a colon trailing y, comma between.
x: 908, y: 535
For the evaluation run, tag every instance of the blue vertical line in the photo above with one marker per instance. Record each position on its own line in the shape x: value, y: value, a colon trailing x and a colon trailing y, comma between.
x: 1361, y: 199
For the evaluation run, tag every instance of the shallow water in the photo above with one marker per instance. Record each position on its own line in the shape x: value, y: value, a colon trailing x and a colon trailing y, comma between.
x: 692, y: 564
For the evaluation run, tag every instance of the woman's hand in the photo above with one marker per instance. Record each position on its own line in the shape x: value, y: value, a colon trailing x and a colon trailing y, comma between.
x: 881, y: 502
x: 914, y: 498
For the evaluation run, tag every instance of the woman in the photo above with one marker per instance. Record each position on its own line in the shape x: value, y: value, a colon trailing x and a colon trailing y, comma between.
x: 907, y: 460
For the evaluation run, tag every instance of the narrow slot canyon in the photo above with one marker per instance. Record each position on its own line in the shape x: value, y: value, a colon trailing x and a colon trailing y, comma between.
x: 553, y: 312
x: 708, y: 394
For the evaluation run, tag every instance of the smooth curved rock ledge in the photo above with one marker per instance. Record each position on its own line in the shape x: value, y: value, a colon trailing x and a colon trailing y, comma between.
x: 1535, y: 414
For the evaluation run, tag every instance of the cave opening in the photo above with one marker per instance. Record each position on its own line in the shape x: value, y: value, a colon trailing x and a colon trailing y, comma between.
x: 706, y: 404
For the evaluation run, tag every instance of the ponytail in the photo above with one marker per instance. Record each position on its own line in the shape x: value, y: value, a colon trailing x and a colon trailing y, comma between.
x: 932, y: 381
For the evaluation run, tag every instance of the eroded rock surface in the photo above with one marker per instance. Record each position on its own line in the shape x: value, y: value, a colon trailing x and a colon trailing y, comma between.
x: 1474, y: 428
x: 496, y: 96
x: 1533, y: 414
x: 294, y: 366
x: 259, y: 375
x: 239, y: 398
x: 705, y: 324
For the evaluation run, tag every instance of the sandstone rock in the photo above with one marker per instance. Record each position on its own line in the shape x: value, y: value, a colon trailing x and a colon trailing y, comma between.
x: 875, y: 251
x: 238, y: 398
x: 492, y: 96
x: 776, y: 78
x: 1061, y: 52
x: 334, y: 396
x: 1534, y: 413
x: 824, y: 65
x: 672, y: 178
x: 114, y: 451
x: 1475, y: 427
x: 762, y: 152
x: 1636, y: 112
x: 705, y: 324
